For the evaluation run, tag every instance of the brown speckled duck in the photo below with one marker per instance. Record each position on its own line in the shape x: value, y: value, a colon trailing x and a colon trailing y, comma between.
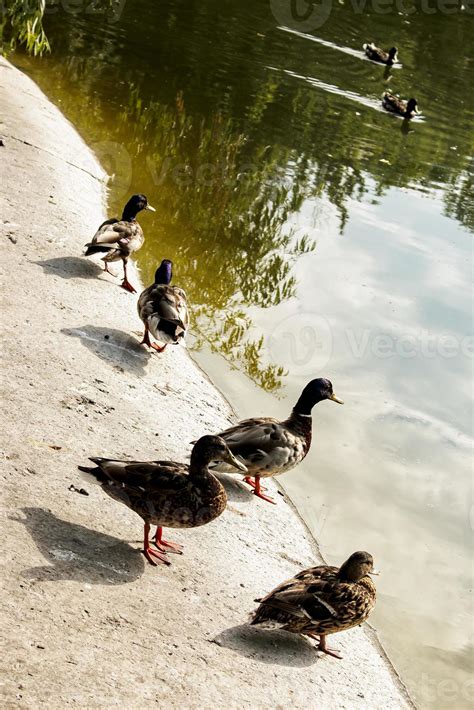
x: 166, y: 493
x: 269, y: 447
x: 376, y: 54
x: 321, y: 600
x: 120, y: 238
x: 163, y: 309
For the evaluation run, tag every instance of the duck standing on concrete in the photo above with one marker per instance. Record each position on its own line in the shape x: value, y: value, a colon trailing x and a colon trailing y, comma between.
x: 321, y: 600
x: 120, y: 238
x: 269, y: 447
x: 163, y: 309
x: 166, y: 493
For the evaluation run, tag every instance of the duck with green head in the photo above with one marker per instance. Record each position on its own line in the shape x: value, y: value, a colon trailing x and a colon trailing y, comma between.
x: 119, y: 238
x: 269, y: 447
x: 375, y: 54
x: 163, y: 309
x: 394, y: 104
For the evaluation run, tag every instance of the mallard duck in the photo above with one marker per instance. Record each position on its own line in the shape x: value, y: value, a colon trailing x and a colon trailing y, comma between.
x: 163, y: 309
x: 394, y: 104
x: 120, y: 238
x: 166, y: 493
x: 269, y: 447
x: 321, y: 600
x: 379, y: 55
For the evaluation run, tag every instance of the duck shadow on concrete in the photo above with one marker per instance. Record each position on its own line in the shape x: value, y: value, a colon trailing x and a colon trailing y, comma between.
x: 271, y: 647
x: 72, y: 267
x: 115, y: 346
x: 239, y: 492
x: 77, y: 553
x: 236, y: 490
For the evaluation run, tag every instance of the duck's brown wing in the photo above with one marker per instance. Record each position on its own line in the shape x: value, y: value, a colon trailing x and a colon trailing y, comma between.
x: 304, y: 579
x: 115, y: 232
x: 296, y: 605
x: 393, y: 103
x: 159, y: 303
x: 375, y: 53
x: 181, y: 306
x: 145, y: 303
x: 261, y: 443
x: 169, y: 303
x: 144, y: 476
x: 379, y: 54
x: 320, y: 572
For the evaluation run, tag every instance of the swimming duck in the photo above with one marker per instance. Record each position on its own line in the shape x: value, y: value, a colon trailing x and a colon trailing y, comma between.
x: 166, y: 493
x: 120, y: 238
x: 163, y: 309
x: 379, y: 55
x: 394, y: 104
x: 269, y: 447
x: 321, y: 600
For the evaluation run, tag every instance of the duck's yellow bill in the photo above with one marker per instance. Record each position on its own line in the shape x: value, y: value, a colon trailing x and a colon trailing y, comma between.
x: 376, y: 572
x: 235, y: 462
x: 335, y: 399
x: 150, y: 208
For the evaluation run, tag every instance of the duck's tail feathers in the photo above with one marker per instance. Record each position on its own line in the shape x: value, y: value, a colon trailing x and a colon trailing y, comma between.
x: 167, y: 331
x: 93, y: 474
x: 95, y: 249
x: 262, y: 621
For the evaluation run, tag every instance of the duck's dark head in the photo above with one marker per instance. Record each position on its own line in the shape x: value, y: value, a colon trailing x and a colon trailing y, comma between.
x: 412, y: 106
x: 359, y: 565
x: 213, y: 448
x: 164, y: 272
x: 314, y: 392
x: 136, y: 204
x: 392, y: 54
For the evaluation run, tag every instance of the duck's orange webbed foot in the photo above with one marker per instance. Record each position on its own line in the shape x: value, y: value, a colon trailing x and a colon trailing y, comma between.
x: 251, y: 482
x: 264, y: 497
x: 146, y: 339
x: 329, y: 651
x: 166, y: 545
x: 258, y: 491
x: 128, y: 286
x: 149, y: 553
x: 160, y: 556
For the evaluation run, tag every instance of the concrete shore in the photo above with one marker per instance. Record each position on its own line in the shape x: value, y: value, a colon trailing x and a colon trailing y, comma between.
x: 86, y: 621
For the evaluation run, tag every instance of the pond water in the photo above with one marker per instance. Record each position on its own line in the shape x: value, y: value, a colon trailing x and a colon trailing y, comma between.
x: 315, y: 235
